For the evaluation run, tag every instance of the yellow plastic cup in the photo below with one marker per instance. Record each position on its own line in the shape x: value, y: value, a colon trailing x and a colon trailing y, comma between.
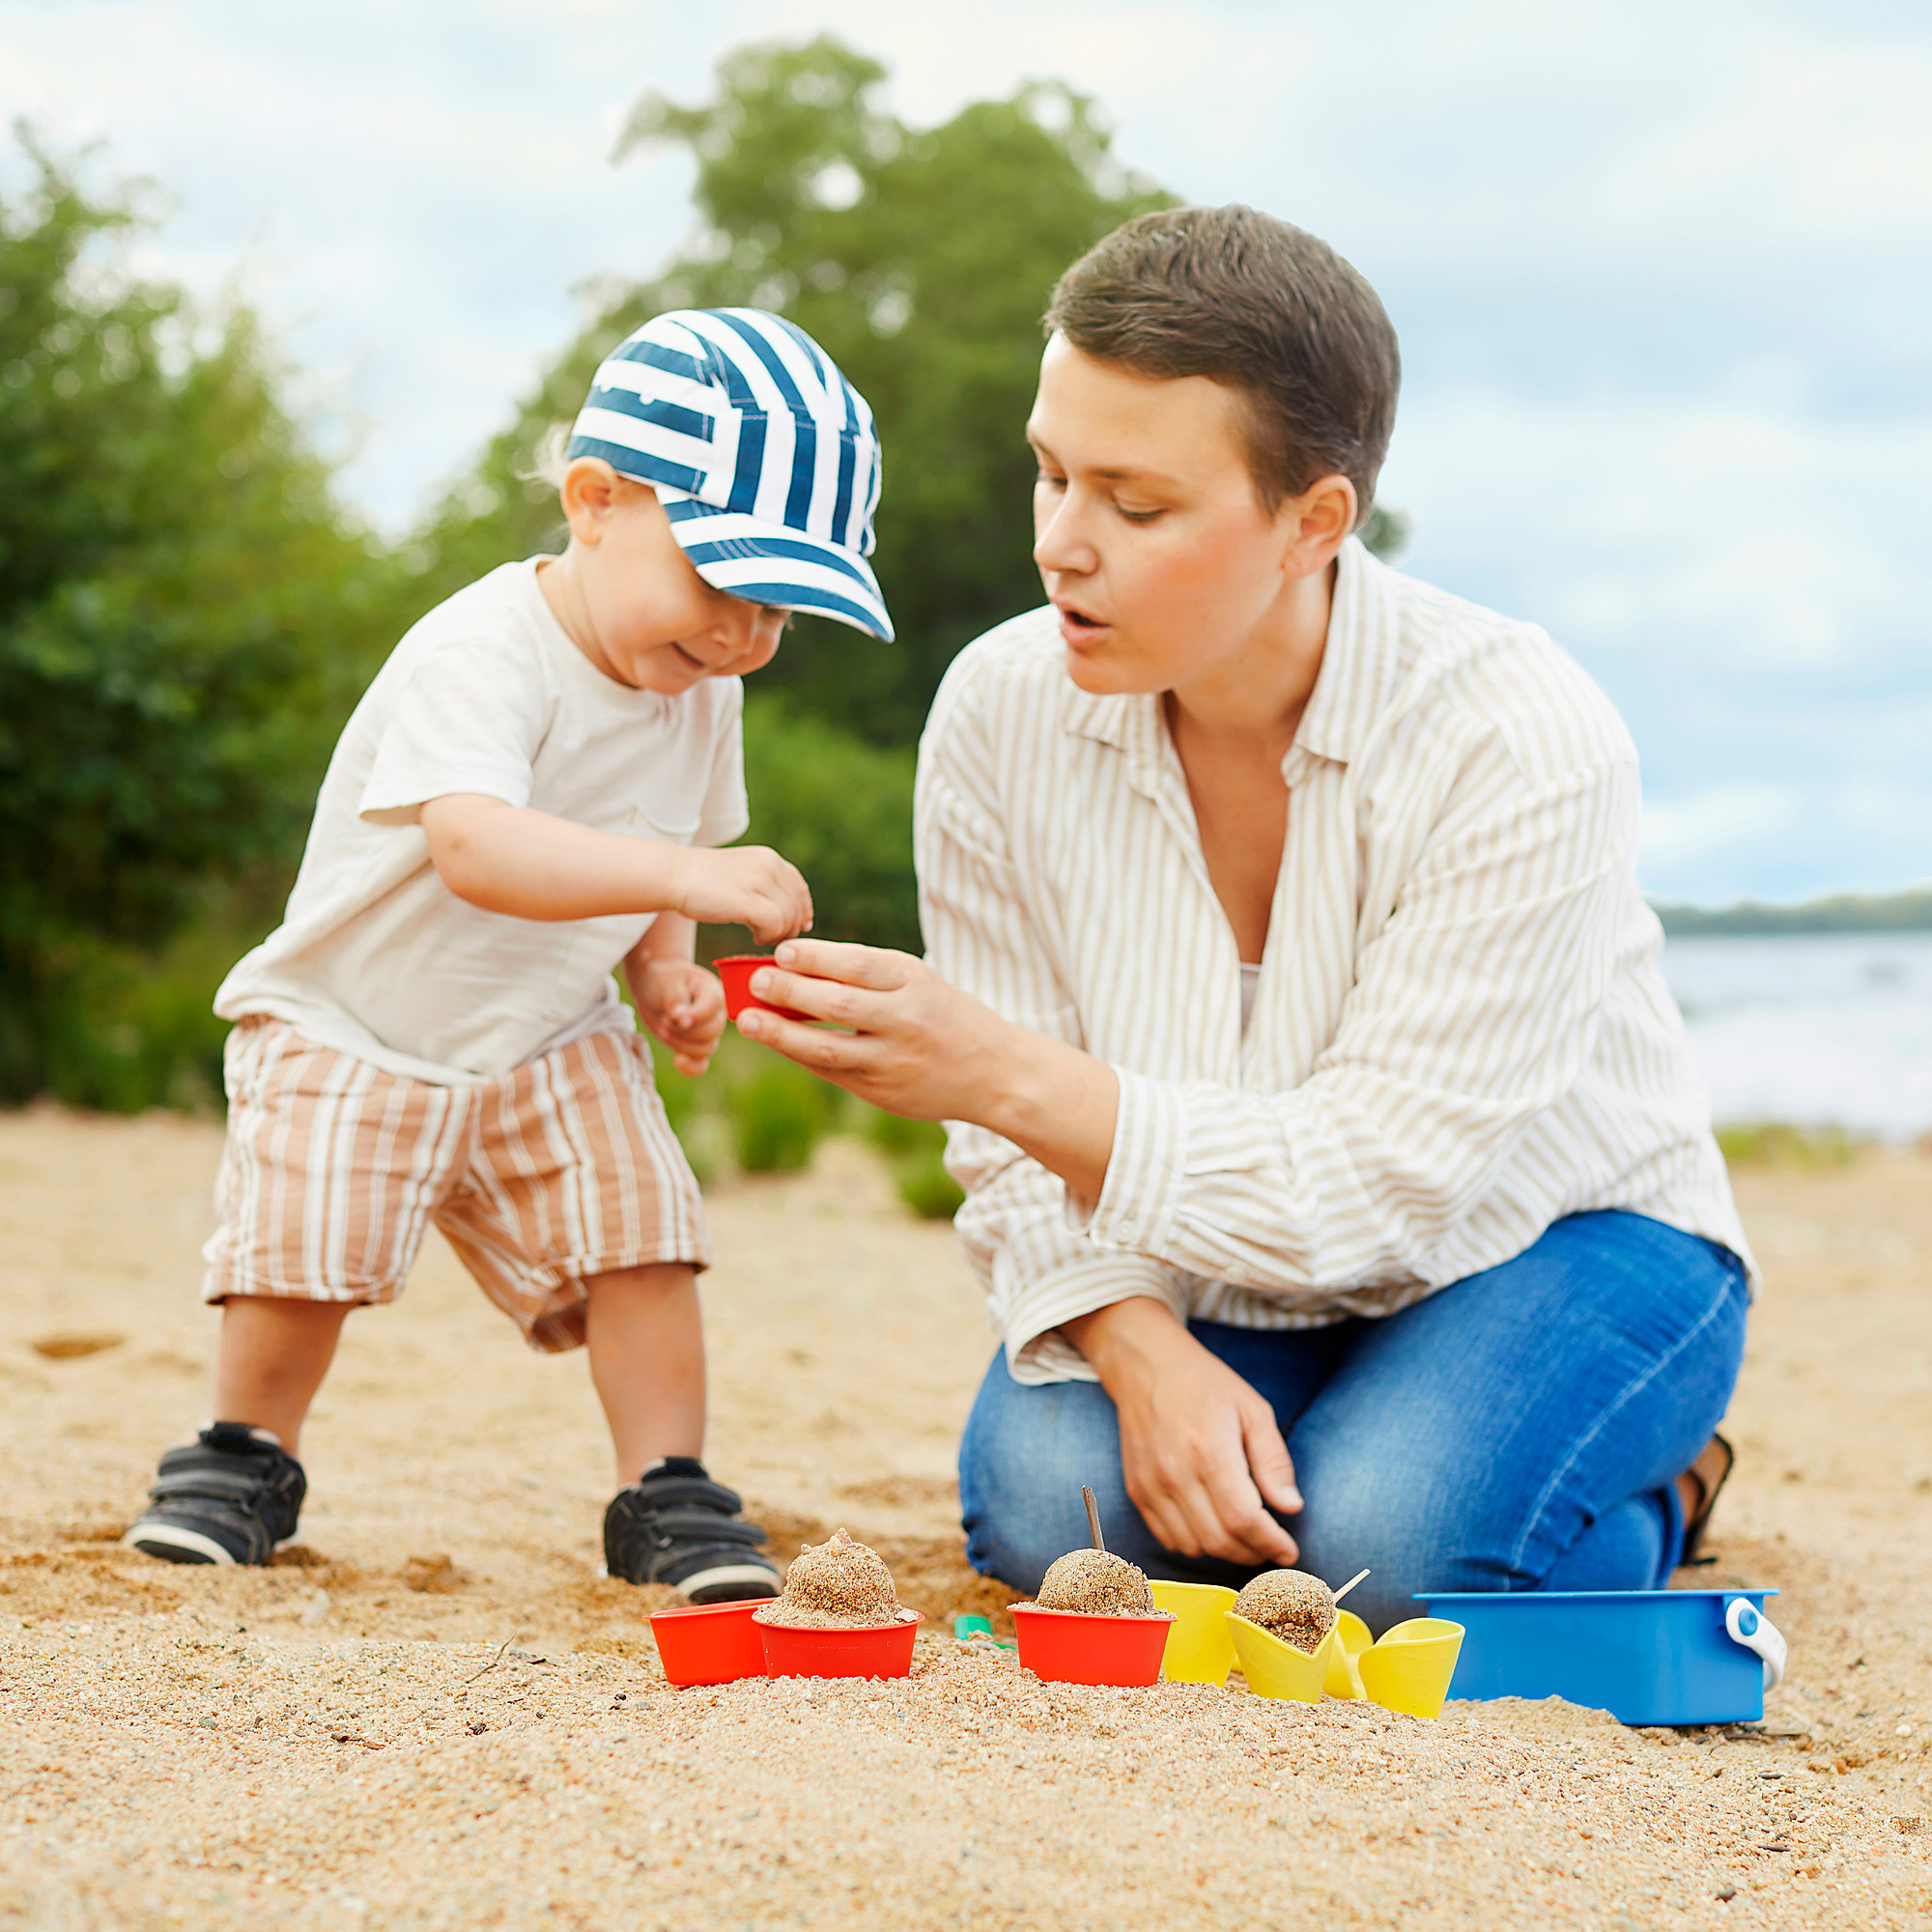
x: 1198, y: 1647
x: 1352, y: 1639
x: 1409, y: 1669
x: 1277, y: 1669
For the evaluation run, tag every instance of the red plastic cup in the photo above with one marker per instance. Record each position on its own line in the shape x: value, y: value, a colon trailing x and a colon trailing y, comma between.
x: 736, y: 972
x: 1071, y: 1647
x: 710, y: 1643
x: 885, y: 1651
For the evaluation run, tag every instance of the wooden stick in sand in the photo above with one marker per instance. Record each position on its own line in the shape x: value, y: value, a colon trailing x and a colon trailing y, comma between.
x: 1350, y: 1585
x: 1093, y: 1520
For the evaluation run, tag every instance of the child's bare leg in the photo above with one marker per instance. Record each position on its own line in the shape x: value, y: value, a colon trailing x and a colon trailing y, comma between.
x: 645, y: 1338
x: 273, y: 1357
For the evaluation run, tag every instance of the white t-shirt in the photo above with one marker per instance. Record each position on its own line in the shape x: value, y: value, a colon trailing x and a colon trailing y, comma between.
x: 376, y: 956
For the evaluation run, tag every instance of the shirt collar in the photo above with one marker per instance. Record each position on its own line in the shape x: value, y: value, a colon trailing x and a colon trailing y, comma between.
x: 1359, y: 663
x: 1358, y: 668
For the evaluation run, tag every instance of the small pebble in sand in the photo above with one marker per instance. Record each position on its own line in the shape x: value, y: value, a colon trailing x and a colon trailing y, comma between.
x: 837, y: 1585
x: 1098, y: 1585
x: 1291, y: 1605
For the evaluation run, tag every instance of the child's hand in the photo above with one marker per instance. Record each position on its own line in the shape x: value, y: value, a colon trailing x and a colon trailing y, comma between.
x: 684, y: 1006
x: 744, y: 885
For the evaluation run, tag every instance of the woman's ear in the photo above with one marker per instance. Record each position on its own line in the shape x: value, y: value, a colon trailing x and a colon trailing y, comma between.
x: 588, y: 495
x: 1315, y: 524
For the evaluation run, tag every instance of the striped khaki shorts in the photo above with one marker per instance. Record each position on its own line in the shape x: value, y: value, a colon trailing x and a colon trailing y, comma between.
x: 333, y: 1169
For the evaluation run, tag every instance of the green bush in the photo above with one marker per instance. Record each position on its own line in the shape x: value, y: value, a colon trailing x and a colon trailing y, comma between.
x: 766, y: 1116
x: 916, y: 1153
x: 897, y: 1137
x: 926, y: 1188
x: 125, y: 1032
x: 1777, y: 1142
x: 778, y: 1116
x: 124, y: 1028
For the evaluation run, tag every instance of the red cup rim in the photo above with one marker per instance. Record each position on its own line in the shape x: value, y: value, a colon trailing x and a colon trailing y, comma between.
x: 740, y: 1604
x: 898, y: 1623
x: 1097, y: 1616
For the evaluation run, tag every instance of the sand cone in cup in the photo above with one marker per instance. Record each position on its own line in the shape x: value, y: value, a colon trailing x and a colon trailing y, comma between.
x: 839, y: 1615
x: 1198, y: 1647
x: 1410, y: 1667
x: 1284, y: 1627
x: 736, y: 972
x: 1096, y: 1621
x: 1274, y: 1668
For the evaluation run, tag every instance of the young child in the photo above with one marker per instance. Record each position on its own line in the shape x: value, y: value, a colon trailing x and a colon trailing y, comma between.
x: 530, y: 793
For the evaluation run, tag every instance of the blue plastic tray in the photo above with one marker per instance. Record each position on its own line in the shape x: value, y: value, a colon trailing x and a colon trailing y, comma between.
x: 1651, y: 1657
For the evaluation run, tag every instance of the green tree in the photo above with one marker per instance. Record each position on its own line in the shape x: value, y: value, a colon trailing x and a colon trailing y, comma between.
x: 184, y: 614
x: 921, y: 259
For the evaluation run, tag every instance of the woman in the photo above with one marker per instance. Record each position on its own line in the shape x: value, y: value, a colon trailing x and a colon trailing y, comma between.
x: 1341, y: 1183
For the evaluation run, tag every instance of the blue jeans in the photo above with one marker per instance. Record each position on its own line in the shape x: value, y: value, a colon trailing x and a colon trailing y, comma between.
x: 1520, y: 1430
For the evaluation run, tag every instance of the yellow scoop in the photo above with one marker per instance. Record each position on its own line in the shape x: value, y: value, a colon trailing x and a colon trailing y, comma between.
x: 1410, y: 1668
x: 1200, y: 1650
x: 1352, y: 1639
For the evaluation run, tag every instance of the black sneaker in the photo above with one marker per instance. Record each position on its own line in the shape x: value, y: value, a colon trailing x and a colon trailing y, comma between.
x: 229, y: 1497
x: 675, y: 1525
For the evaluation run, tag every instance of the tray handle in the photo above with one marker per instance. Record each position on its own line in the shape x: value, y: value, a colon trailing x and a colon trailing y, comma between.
x: 1749, y: 1626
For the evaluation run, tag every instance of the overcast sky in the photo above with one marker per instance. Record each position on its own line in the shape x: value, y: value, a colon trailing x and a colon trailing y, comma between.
x: 1662, y: 276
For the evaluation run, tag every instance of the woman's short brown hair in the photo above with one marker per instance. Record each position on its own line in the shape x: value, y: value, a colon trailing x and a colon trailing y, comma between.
x: 1245, y: 299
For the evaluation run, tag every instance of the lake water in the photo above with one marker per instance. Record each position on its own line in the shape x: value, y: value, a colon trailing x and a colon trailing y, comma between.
x: 1826, y: 1029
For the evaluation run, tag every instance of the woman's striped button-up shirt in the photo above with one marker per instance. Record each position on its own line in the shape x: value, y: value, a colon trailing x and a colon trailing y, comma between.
x: 1461, y: 1035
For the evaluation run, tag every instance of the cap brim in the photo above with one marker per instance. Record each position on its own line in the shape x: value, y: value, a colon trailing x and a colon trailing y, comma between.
x: 771, y: 563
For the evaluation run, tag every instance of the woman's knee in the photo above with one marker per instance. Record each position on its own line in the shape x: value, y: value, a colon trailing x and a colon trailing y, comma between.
x: 1026, y: 1450
x: 1410, y: 1530
x: 1418, y: 1531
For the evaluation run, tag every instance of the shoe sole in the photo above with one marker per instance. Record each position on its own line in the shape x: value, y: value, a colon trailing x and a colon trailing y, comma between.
x: 730, y: 1583
x: 172, y: 1544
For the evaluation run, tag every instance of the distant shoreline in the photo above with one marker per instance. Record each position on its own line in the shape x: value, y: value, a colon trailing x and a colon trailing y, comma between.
x: 1844, y: 912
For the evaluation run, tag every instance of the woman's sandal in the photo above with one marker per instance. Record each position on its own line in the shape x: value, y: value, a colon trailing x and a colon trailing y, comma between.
x: 1708, y: 1472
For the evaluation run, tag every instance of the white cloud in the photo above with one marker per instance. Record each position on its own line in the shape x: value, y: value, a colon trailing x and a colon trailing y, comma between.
x: 1650, y: 524
x: 1713, y: 820
x: 1800, y: 137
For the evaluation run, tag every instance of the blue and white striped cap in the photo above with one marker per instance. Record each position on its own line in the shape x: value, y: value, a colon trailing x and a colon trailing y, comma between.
x: 763, y: 455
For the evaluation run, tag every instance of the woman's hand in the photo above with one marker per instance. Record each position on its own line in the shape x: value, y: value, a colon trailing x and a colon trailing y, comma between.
x: 912, y: 1039
x: 1198, y: 1445
x: 923, y: 1049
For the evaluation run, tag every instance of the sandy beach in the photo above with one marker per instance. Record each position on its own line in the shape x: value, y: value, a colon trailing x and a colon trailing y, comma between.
x: 435, y: 1713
